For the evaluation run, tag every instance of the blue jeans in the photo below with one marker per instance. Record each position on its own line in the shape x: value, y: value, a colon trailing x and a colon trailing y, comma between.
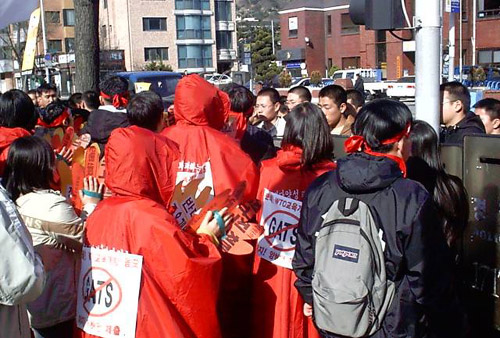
x: 61, y: 330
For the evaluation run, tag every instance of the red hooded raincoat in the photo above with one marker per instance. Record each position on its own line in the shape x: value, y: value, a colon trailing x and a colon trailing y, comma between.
x: 180, y: 271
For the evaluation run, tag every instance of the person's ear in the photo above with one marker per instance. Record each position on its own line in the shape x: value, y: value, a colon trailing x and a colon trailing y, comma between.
x: 458, y: 106
x: 399, y: 147
x: 277, y: 107
x: 496, y: 123
x: 343, y: 108
x: 101, y: 101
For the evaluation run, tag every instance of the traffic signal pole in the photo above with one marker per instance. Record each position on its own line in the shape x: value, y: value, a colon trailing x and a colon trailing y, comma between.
x: 428, y: 23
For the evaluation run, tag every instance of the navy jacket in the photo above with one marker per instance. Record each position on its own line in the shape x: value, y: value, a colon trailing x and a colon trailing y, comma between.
x: 417, y: 258
x: 454, y: 135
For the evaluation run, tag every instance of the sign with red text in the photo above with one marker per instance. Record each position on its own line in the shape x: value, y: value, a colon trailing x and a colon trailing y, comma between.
x: 108, y: 293
x: 280, y: 218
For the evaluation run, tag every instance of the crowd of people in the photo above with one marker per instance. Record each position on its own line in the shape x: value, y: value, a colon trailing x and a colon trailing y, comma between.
x: 281, y: 147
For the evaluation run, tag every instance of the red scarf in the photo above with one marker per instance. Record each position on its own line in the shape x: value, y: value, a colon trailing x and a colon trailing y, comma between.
x: 118, y: 100
x: 59, y: 121
x: 358, y: 143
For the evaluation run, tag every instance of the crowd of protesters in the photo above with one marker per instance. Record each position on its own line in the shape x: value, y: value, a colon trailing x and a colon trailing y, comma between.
x: 280, y: 147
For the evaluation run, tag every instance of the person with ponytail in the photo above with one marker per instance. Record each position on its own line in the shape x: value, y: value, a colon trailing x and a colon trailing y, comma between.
x: 417, y: 258
x: 306, y: 154
x: 447, y: 191
x: 112, y: 113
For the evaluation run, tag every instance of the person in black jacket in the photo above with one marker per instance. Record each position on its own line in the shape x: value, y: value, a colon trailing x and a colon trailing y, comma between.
x: 457, y: 121
x: 111, y: 114
x: 417, y: 258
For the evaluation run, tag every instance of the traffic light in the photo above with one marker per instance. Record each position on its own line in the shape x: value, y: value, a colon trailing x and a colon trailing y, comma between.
x: 377, y: 14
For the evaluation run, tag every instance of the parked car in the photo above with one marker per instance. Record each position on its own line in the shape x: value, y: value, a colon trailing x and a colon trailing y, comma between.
x: 162, y: 83
x: 218, y: 79
x: 403, y: 88
x: 306, y: 82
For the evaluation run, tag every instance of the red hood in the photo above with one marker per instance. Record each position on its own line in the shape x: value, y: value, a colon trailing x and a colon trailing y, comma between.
x: 141, y: 163
x: 289, y: 158
x: 197, y: 102
x: 9, y: 135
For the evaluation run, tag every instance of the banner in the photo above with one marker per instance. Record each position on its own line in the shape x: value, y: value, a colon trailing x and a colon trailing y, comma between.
x: 30, y: 49
x: 12, y: 11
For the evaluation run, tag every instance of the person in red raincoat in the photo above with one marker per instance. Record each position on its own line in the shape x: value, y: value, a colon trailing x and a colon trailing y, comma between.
x: 217, y: 160
x: 306, y: 154
x: 17, y: 119
x: 180, y: 273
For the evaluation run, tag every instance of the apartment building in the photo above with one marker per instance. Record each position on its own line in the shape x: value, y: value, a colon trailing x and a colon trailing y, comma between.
x: 189, y: 35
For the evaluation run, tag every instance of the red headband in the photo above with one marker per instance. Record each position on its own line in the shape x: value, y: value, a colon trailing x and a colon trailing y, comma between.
x: 118, y: 100
x: 358, y: 143
x: 59, y: 121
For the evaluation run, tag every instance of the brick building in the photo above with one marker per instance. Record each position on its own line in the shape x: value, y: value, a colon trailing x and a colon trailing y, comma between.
x: 317, y: 34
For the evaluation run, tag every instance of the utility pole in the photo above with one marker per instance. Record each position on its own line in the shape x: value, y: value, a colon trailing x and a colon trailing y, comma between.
x: 44, y: 38
x: 428, y: 31
x: 272, y: 35
x: 474, y: 18
x: 451, y: 46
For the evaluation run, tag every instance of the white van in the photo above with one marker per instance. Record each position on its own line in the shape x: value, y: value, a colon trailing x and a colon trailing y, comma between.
x: 366, y: 74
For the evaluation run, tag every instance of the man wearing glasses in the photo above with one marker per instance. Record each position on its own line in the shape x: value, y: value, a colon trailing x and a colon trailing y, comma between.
x: 265, y: 115
x: 456, y: 118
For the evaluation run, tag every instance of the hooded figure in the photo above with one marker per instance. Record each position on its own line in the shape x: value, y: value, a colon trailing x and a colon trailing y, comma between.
x: 216, y: 159
x: 280, y: 315
x: 205, y: 151
x: 180, y: 271
x: 7, y: 136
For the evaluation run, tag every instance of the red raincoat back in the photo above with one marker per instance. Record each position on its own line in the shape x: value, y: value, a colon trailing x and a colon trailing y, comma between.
x: 200, y: 114
x: 7, y: 136
x: 180, y: 271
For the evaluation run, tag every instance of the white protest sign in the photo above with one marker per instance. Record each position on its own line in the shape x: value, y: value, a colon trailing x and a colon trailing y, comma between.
x: 280, y: 218
x: 108, y: 293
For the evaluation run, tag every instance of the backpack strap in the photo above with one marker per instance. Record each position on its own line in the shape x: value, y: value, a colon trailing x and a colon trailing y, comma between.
x: 352, y: 208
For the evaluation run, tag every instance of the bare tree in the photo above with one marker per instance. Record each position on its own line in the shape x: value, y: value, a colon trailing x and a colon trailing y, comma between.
x: 13, y: 39
x: 86, y: 44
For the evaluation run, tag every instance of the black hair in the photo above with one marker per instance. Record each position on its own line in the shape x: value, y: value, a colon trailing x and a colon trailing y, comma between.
x: 74, y: 100
x: 241, y: 98
x: 356, y: 97
x: 448, y: 191
x: 17, y: 110
x: 91, y: 99
x: 381, y: 120
x: 272, y: 93
x: 46, y: 87
x: 335, y: 93
x: 491, y: 107
x: 31, y: 91
x: 52, y: 111
x: 30, y: 166
x: 308, y: 129
x: 302, y: 92
x: 145, y: 110
x: 114, y: 85
x: 283, y: 107
x: 457, y: 92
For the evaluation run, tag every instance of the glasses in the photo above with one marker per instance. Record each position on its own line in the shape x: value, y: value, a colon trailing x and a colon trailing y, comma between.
x: 449, y: 101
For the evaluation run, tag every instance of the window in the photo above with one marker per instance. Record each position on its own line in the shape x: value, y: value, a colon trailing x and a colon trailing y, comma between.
x: 487, y: 57
x: 192, y: 4
x: 104, y: 32
x: 330, y: 63
x: 193, y: 27
x: 195, y: 56
x: 54, y: 46
x: 350, y: 62
x: 52, y: 17
x: 5, y: 53
x: 105, y: 4
x: 156, y: 54
x: 347, y: 26
x: 329, y: 24
x: 224, y: 40
x: 69, y: 17
x: 154, y: 24
x: 69, y: 45
x: 223, y: 11
x: 293, y: 27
